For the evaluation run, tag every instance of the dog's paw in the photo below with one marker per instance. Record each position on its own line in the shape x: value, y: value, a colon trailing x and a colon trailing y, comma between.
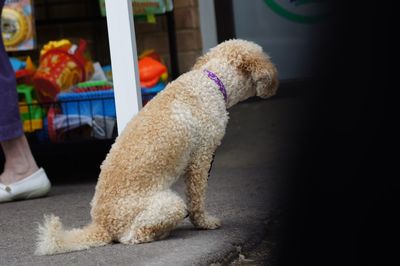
x: 208, y: 222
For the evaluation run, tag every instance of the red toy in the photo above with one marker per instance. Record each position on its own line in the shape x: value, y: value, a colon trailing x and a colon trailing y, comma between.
x: 59, y: 69
x: 151, y: 71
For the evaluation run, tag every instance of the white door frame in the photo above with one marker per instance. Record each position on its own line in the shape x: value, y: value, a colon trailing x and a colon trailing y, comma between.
x: 123, y: 52
x: 208, y: 25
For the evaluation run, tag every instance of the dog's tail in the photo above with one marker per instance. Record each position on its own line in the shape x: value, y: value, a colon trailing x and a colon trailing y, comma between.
x: 53, y: 239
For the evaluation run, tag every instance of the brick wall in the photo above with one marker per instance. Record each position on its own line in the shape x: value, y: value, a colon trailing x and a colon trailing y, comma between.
x: 187, y: 25
x: 76, y: 19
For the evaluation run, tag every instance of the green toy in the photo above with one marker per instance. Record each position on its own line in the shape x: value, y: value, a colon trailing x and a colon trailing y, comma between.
x: 31, y: 113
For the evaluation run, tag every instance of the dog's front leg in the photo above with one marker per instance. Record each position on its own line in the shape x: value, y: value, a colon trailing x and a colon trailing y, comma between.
x: 196, y: 186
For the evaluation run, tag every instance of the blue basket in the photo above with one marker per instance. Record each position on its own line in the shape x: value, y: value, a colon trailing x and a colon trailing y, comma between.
x: 88, y: 103
x: 99, y: 103
x: 149, y: 93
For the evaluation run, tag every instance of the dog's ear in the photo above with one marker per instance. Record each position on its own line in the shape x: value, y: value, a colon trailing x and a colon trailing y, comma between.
x: 262, y: 72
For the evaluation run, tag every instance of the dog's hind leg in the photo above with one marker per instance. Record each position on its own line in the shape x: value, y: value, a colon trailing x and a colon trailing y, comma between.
x: 165, y: 210
x: 196, y: 179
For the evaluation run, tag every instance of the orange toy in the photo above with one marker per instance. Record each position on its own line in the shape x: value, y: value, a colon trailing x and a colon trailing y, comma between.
x: 150, y: 71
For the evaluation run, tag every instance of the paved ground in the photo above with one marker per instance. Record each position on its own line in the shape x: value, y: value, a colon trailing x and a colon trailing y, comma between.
x: 245, y: 191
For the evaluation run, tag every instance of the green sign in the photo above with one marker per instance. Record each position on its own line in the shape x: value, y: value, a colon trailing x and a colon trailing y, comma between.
x: 301, y: 11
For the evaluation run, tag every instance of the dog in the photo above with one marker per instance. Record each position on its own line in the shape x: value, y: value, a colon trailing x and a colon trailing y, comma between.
x: 174, y: 135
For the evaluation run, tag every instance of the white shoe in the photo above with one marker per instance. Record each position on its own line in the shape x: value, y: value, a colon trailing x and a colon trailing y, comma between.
x: 34, y: 186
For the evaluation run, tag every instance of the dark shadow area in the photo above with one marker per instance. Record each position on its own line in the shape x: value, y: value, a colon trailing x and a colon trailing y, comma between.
x: 336, y: 214
x: 70, y: 162
x: 75, y: 162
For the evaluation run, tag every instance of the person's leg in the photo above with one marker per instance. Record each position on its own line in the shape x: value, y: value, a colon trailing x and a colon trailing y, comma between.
x: 19, y: 160
x: 10, y: 122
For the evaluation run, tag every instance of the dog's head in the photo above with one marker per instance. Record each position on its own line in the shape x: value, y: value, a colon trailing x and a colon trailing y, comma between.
x: 250, y: 62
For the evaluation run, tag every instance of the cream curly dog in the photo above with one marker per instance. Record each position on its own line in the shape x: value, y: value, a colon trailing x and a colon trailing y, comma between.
x: 174, y: 135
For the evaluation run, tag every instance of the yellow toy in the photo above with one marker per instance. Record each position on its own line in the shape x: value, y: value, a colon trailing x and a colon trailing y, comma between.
x: 17, y: 25
x: 63, y: 44
x: 14, y: 27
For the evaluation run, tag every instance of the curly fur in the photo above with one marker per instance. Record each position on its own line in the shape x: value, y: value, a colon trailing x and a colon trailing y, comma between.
x: 174, y: 135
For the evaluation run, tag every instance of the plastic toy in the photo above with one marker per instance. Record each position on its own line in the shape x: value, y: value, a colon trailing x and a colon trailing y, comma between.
x: 151, y: 71
x: 150, y: 53
x: 87, y: 86
x: 29, y: 65
x: 61, y: 66
x: 14, y: 26
x: 156, y: 56
x: 25, y: 75
x: 17, y: 25
x: 17, y: 64
x: 62, y: 44
x: 31, y: 113
x: 108, y: 72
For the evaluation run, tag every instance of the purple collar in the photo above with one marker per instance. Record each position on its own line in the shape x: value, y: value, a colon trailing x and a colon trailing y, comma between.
x: 217, y: 81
